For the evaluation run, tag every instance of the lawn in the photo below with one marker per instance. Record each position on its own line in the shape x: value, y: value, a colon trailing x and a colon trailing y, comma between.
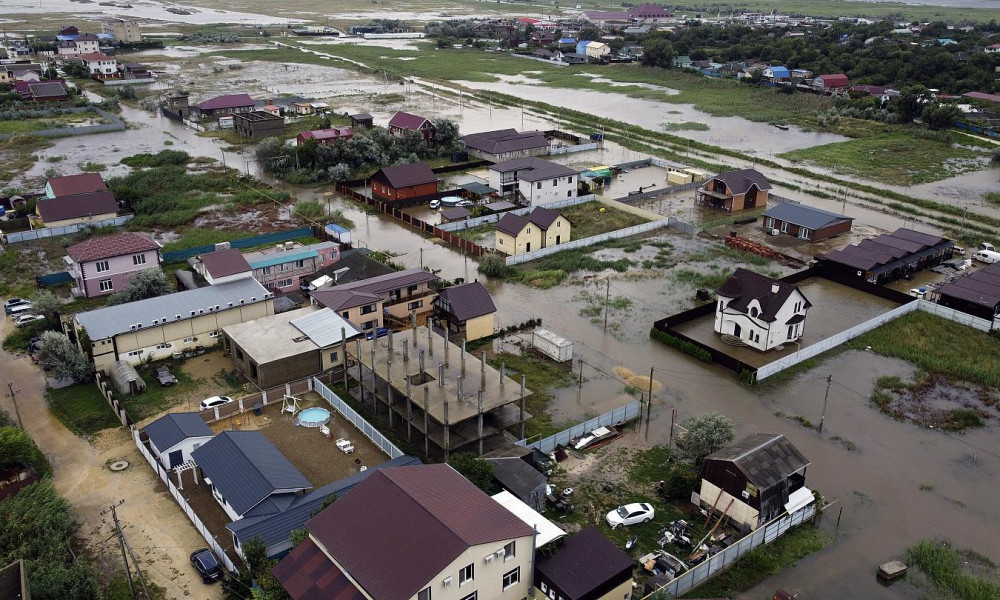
x: 82, y: 409
x: 48, y: 122
x: 593, y: 218
x: 965, y: 575
x: 541, y: 377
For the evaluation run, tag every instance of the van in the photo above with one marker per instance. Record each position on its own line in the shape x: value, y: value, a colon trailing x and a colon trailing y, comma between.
x: 987, y: 256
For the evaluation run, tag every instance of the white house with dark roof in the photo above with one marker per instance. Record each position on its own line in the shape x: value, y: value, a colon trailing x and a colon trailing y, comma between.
x: 534, y: 181
x: 761, y: 312
x: 221, y: 266
x: 174, y: 436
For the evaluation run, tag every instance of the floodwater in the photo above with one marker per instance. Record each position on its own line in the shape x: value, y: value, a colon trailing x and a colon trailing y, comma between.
x: 146, y: 9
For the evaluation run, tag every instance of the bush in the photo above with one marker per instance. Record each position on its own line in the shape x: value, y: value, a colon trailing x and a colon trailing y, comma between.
x: 683, y: 345
x: 160, y: 159
x: 494, y: 265
x: 310, y: 209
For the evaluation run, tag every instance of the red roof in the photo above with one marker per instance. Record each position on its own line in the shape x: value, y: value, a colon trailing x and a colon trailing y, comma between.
x: 837, y: 80
x: 982, y: 96
x: 96, y: 56
x: 84, y: 183
x: 228, y: 101
x: 333, y: 133
x: 111, y: 245
x: 307, y: 574
x: 403, y: 176
x: 76, y: 206
x: 223, y: 263
x: 407, y: 121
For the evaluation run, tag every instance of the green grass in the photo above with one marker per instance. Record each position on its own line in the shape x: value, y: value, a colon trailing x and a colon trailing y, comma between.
x: 93, y: 167
x: 686, y: 126
x: 19, y: 337
x: 82, y: 409
x: 156, y: 398
x: 711, y: 280
x: 22, y: 126
x: 588, y: 220
x: 475, y: 234
x: 938, y: 346
x: 17, y: 155
x: 963, y: 575
x: 680, y: 344
x: 541, y: 377
x: 992, y: 198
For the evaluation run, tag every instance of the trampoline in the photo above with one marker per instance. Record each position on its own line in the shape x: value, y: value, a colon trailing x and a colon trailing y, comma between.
x: 314, y: 417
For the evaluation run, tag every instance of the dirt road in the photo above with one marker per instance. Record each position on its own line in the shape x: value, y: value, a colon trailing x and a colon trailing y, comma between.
x: 158, y: 530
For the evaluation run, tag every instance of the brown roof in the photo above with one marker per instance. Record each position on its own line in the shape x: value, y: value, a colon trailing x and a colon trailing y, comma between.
x: 393, y: 281
x: 111, y: 245
x: 76, y: 206
x: 338, y: 299
x: 400, y: 527
x: 84, y: 183
x: 744, y: 286
x: 466, y: 301
x: 455, y: 213
x: 585, y: 563
x: 307, y: 574
x: 543, y: 217
x: 223, y: 263
x: 407, y: 121
x: 511, y: 224
x: 402, y: 176
x: 739, y: 182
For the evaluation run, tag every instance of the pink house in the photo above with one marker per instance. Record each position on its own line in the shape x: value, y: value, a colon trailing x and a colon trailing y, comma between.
x: 103, y: 265
x: 285, y: 267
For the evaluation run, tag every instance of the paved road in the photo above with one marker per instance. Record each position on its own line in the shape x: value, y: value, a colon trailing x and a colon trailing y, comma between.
x: 158, y: 530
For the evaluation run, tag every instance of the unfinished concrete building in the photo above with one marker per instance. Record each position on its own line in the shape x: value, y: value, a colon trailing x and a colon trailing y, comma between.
x: 431, y: 390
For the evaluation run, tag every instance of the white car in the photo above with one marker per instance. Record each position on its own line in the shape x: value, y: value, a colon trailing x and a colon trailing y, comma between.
x: 215, y: 401
x: 23, y: 320
x: 630, y: 514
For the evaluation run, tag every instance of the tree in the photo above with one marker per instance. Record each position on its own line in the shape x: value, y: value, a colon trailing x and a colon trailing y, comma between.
x: 16, y: 446
x: 706, y: 434
x: 493, y: 265
x: 446, y: 135
x: 46, y: 304
x: 76, y: 70
x: 475, y: 469
x: 658, y: 52
x: 144, y: 284
x: 940, y: 116
x: 58, y: 354
x: 258, y: 570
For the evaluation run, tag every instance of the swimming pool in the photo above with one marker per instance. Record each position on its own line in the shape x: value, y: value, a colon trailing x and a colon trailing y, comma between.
x: 314, y: 417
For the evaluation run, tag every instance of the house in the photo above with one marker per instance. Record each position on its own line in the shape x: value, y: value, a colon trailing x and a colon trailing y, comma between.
x: 100, y: 64
x: 402, y: 122
x: 570, y: 41
x: 362, y: 309
x: 221, y: 266
x: 78, y: 208
x: 466, y: 310
x: 981, y: 96
x: 831, y: 83
x: 275, y: 529
x: 442, y: 535
x: 542, y: 38
x: 412, y: 182
x: 103, y: 265
x: 248, y: 476
x: 587, y: 566
x: 734, y: 190
x: 762, y: 312
x: 21, y: 71
x: 66, y: 49
x: 534, y: 181
x: 992, y: 49
x: 70, y: 185
x: 402, y: 293
x: 977, y: 293
x: 608, y: 19
x: 776, y: 73
x: 505, y: 144
x: 361, y: 120
x: 14, y: 477
x: 300, y: 109
x: 226, y: 105
x: 355, y: 264
x: 683, y: 62
x: 650, y: 12
x: 758, y: 478
x: 802, y: 73
x: 270, y: 108
x: 454, y: 214
x: 135, y: 71
x: 597, y: 50
x: 125, y: 30
x: 155, y: 328
x: 572, y: 58
x: 285, y: 347
x: 68, y: 32
x: 174, y: 436
x: 325, y: 136
x: 41, y: 91
x: 868, y: 90
x: 87, y: 43
x: 888, y: 257
x: 286, y: 267
x: 258, y: 124
x: 805, y: 222
x: 541, y: 229
x: 520, y: 479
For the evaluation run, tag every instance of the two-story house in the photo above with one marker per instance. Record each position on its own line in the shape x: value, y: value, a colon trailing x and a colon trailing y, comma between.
x: 69, y: 185
x: 401, y: 122
x: 362, y: 309
x: 415, y: 533
x: 100, y: 64
x: 762, y: 312
x: 284, y: 267
x: 542, y: 228
x: 87, y: 43
x: 466, y: 310
x: 734, y: 190
x: 402, y: 293
x: 103, y: 265
x: 534, y: 181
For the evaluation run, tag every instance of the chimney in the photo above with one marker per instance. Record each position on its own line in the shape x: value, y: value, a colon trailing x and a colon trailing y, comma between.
x: 775, y: 287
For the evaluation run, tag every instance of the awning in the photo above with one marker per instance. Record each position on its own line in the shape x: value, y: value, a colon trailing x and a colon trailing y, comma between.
x: 547, y: 530
x: 477, y: 188
x: 800, y: 498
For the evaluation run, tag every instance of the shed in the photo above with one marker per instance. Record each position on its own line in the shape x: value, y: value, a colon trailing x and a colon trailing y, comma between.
x: 521, y: 479
x: 174, y: 436
x: 457, y: 213
x: 805, y: 222
x: 547, y: 530
x: 555, y: 347
x: 587, y: 566
x: 361, y: 120
x: 126, y: 380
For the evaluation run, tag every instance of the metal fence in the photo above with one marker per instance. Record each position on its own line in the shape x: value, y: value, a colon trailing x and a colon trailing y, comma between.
x: 45, y: 232
x: 588, y: 241
x: 723, y: 560
x: 257, y: 240
x: 615, y: 417
x: 477, y: 221
x: 364, y: 426
x: 572, y: 149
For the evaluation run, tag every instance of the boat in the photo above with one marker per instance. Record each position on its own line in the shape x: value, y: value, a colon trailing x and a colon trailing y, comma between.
x: 891, y: 570
x: 595, y: 436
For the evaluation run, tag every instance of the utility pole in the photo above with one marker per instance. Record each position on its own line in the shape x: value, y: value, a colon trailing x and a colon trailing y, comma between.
x: 121, y: 542
x: 421, y: 258
x: 12, y: 394
x: 964, y: 213
x: 649, y: 398
x: 607, y: 298
x: 829, y: 380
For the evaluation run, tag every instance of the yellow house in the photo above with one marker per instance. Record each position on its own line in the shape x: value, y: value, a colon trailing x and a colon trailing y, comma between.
x: 78, y: 208
x: 363, y: 309
x: 467, y: 310
x: 543, y: 228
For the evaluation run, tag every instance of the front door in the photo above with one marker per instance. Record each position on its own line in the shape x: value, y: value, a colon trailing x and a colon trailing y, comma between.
x: 175, y: 458
x: 527, y: 247
x: 737, y: 330
x: 557, y: 239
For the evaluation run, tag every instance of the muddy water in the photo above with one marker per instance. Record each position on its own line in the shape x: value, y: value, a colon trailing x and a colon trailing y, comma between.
x: 148, y: 9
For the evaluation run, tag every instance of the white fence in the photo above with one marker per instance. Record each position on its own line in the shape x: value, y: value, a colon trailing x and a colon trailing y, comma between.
x: 357, y: 420
x: 615, y: 417
x: 572, y: 149
x: 165, y: 478
x: 476, y: 222
x: 957, y: 316
x: 723, y: 560
x: 588, y: 241
x: 25, y: 236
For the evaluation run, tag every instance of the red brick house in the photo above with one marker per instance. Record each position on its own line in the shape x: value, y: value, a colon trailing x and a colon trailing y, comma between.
x: 404, y: 182
x: 832, y: 83
x: 805, y: 222
x: 325, y: 136
x: 402, y: 122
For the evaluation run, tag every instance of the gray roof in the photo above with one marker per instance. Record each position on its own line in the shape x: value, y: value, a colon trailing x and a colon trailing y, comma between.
x: 392, y: 281
x: 323, y: 327
x: 276, y: 528
x: 805, y: 216
x: 533, y: 169
x: 584, y: 564
x: 354, y: 265
x: 745, y: 285
x: 506, y: 140
x: 477, y: 188
x: 466, y: 301
x: 517, y: 476
x: 765, y: 458
x: 173, y: 428
x: 113, y: 320
x: 455, y: 213
x: 246, y: 468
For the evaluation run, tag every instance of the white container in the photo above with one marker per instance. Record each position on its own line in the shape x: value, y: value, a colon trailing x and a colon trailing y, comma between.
x: 555, y: 347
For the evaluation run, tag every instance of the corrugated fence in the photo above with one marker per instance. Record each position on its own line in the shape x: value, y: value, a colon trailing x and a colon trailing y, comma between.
x: 616, y: 417
x: 36, y: 234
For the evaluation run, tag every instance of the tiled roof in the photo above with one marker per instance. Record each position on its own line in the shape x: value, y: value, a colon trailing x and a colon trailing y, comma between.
x: 96, y: 56
x: 390, y: 282
x: 76, y: 206
x: 533, y: 169
x: 466, y: 301
x: 307, y: 574
x: 805, y: 216
x: 83, y: 183
x: 584, y: 563
x: 543, y: 217
x: 173, y: 428
x: 227, y: 101
x: 119, y: 244
x: 765, y: 458
x: 333, y: 133
x: 407, y: 121
x: 223, y: 263
x: 401, y: 176
x: 745, y: 285
x: 740, y: 182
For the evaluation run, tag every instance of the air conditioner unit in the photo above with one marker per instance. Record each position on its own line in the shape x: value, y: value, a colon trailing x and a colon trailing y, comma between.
x: 501, y: 553
x: 746, y: 494
x: 774, y: 232
x: 446, y: 582
x: 488, y: 559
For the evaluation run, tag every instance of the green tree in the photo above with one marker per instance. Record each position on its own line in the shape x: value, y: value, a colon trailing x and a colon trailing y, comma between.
x: 46, y: 304
x: 475, y: 469
x: 658, y: 52
x: 149, y: 283
x: 258, y: 570
x: 493, y: 265
x: 53, y: 581
x: 61, y: 356
x: 940, y: 116
x: 707, y: 433
x: 16, y: 446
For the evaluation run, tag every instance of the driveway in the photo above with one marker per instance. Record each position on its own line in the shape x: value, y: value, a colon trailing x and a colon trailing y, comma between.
x: 159, y: 532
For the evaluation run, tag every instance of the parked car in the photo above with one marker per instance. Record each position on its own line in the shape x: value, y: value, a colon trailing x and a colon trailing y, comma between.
x: 23, y: 320
x: 207, y: 565
x: 376, y: 333
x: 465, y: 203
x: 26, y: 308
x: 214, y: 401
x: 630, y: 514
x: 9, y: 305
x: 435, y: 204
x: 164, y: 376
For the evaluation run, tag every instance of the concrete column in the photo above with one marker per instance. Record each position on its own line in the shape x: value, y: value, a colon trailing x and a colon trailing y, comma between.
x: 374, y: 383
x: 430, y: 341
x: 446, y: 344
x: 463, y: 357
x: 409, y: 409
x: 388, y: 387
x: 503, y: 373
x: 522, y: 406
x: 406, y: 351
x: 420, y: 359
x: 427, y: 431
x: 361, y: 379
x: 480, y: 425
x: 447, y: 431
x: 343, y: 353
x: 440, y: 374
x: 482, y: 370
x: 413, y: 324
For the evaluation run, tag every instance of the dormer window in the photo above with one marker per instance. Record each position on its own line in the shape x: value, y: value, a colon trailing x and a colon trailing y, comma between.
x: 754, y: 312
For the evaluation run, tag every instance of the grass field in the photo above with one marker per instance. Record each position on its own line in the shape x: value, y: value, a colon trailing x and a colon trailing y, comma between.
x: 541, y: 377
x: 50, y: 122
x: 82, y: 409
x: 588, y: 220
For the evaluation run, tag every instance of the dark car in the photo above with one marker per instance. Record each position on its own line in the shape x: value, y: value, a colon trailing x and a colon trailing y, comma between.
x: 164, y: 376
x: 376, y: 333
x: 207, y: 565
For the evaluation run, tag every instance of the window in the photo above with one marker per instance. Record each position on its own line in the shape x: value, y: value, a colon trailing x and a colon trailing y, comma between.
x: 784, y: 227
x: 366, y: 309
x: 500, y: 241
x: 163, y: 346
x: 471, y: 596
x: 545, y: 588
x: 412, y: 289
x: 299, y: 264
x: 508, y: 551
x: 135, y: 353
x: 558, y: 224
x: 753, y: 311
x: 424, y: 594
x: 106, y: 285
x: 569, y: 179
x: 529, y: 230
x: 791, y: 331
x: 511, y: 578
x: 188, y: 340
x: 538, y: 186
x: 138, y: 259
x: 466, y: 574
x: 266, y: 270
x: 213, y: 334
x: 346, y: 314
x: 285, y: 283
x: 415, y: 305
x: 555, y: 182
x: 102, y: 266
x: 334, y: 356
x: 769, y: 224
x: 369, y: 325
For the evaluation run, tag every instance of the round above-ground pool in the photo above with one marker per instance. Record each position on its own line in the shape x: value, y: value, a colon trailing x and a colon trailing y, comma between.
x: 314, y: 417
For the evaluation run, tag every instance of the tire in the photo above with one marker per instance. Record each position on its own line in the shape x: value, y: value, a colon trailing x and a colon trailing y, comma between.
x: 616, y: 526
x: 647, y: 519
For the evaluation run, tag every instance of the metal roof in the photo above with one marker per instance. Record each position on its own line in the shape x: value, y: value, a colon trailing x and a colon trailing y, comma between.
x: 466, y: 301
x: 765, y: 459
x: 585, y: 563
x: 505, y: 140
x: 323, y: 327
x: 740, y: 182
x: 223, y: 263
x: 284, y: 257
x: 78, y: 205
x: 108, y: 246
x: 478, y: 188
x: 980, y: 287
x: 805, y: 216
x: 112, y: 320
x: 338, y: 299
x: 517, y: 476
x: 173, y: 428
x: 407, y: 121
x: 226, y: 101
x: 401, y: 176
x: 511, y: 224
x: 246, y: 468
x: 547, y: 530
x: 390, y: 282
x: 533, y: 169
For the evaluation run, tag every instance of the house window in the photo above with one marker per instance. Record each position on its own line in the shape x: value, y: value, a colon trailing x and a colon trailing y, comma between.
x: 569, y: 194
x: 415, y: 305
x: 753, y: 311
x: 366, y: 309
x: 369, y: 325
x: 558, y: 224
x: 569, y: 179
x: 769, y: 223
x: 334, y: 356
x: 285, y: 283
x: 299, y: 264
x: 508, y: 552
x: 805, y: 233
x: 511, y: 578
x: 500, y: 242
x: 791, y: 331
x: 102, y: 266
x: 545, y: 588
x: 346, y: 314
x: 266, y: 270
x: 555, y: 182
x: 529, y: 230
x: 538, y: 185
x: 106, y: 285
x: 138, y: 259
x: 213, y: 334
x: 784, y: 227
x: 412, y: 289
x: 188, y: 340
x: 424, y: 594
x: 471, y: 596
x: 135, y: 353
x: 467, y: 574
